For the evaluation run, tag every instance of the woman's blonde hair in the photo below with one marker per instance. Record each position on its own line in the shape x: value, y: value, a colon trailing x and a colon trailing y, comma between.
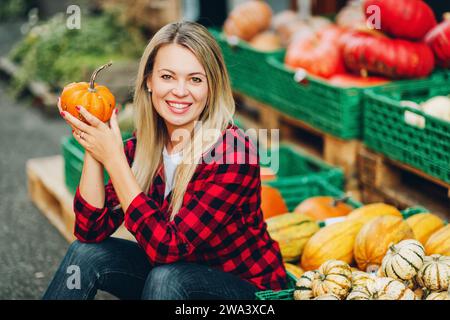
x: 151, y: 132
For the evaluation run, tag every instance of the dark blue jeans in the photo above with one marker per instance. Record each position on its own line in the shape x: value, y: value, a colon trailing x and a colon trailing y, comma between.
x: 121, y: 268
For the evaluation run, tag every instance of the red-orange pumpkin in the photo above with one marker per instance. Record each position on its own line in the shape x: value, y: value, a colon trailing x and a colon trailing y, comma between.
x: 97, y: 100
x: 272, y: 203
x: 408, y: 19
x: 438, y: 39
x: 393, y: 58
x: 317, y: 52
x: 323, y: 207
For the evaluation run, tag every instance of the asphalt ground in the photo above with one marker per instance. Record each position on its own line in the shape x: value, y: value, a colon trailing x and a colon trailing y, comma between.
x: 30, y: 247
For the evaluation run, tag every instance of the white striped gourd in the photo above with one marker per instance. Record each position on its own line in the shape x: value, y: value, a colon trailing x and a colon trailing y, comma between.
x: 303, y: 287
x: 435, y: 273
x: 403, y: 260
x: 335, y: 277
x: 383, y: 289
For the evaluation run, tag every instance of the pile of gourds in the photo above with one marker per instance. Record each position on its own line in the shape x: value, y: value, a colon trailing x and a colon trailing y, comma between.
x: 364, y: 238
x: 254, y: 22
x: 406, y: 273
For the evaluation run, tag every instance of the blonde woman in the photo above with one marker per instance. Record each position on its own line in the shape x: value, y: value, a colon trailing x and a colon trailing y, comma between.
x: 198, y: 225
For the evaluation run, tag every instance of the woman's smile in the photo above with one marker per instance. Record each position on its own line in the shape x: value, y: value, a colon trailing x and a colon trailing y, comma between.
x: 178, y: 107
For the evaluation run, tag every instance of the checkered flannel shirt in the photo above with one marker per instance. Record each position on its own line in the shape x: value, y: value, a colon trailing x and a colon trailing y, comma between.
x: 220, y: 223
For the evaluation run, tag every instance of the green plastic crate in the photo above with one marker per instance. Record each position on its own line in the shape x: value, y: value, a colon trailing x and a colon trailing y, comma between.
x: 247, y: 67
x: 296, y: 171
x: 295, y: 190
x: 331, y: 109
x: 73, y: 154
x: 386, y: 131
x: 287, y: 294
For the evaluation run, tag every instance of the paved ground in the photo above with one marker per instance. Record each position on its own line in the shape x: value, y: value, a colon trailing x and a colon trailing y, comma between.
x: 30, y: 247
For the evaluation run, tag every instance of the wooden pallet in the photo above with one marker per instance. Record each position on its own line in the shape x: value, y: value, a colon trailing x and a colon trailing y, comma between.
x: 336, y: 151
x: 48, y: 192
x: 383, y: 179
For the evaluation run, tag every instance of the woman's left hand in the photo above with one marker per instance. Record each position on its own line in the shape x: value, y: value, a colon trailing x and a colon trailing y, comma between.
x: 103, y: 142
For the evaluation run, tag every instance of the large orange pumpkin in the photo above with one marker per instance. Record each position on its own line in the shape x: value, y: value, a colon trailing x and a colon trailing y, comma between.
x: 334, y: 241
x: 439, y: 242
x: 97, y: 100
x: 323, y: 207
x: 248, y: 19
x: 272, y: 203
x: 375, y: 237
x: 373, y: 210
x: 424, y: 225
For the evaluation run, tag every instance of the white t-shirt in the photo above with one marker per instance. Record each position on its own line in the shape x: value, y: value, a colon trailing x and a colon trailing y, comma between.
x: 171, y: 162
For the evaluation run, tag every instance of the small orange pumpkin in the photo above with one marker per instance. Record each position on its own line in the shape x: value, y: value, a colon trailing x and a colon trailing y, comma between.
x: 323, y: 207
x: 97, y: 100
x: 272, y: 203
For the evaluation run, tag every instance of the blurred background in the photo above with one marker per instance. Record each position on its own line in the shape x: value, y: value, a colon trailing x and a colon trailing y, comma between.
x: 46, y: 44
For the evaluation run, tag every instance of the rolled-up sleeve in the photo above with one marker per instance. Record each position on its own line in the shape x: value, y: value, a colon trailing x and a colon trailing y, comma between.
x: 94, y: 224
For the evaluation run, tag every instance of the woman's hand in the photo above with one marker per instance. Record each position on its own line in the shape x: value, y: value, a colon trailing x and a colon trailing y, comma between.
x: 103, y: 142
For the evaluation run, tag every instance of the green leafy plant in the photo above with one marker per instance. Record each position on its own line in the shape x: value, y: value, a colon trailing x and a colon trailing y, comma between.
x: 52, y: 53
x: 12, y: 9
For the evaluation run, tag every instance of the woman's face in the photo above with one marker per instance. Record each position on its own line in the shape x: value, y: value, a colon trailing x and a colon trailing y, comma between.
x: 179, y: 86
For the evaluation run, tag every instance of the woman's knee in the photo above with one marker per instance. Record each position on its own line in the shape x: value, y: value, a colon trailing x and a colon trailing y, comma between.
x: 88, y: 254
x: 165, y: 282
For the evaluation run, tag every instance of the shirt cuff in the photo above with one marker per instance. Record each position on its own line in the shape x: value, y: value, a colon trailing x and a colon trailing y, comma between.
x: 140, y: 208
x: 84, y: 207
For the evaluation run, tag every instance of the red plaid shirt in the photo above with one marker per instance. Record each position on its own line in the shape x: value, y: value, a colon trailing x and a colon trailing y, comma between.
x: 220, y: 223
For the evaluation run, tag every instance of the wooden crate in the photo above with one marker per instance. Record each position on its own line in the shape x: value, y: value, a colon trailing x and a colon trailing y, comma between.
x: 383, y: 179
x: 48, y: 192
x: 336, y: 151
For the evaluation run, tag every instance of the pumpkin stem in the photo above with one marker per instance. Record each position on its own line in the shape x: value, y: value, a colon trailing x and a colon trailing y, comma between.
x: 392, y: 248
x: 336, y: 201
x: 364, y: 73
x: 94, y: 75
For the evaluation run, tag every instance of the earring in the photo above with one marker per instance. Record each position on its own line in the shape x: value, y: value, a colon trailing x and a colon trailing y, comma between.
x: 149, y: 91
